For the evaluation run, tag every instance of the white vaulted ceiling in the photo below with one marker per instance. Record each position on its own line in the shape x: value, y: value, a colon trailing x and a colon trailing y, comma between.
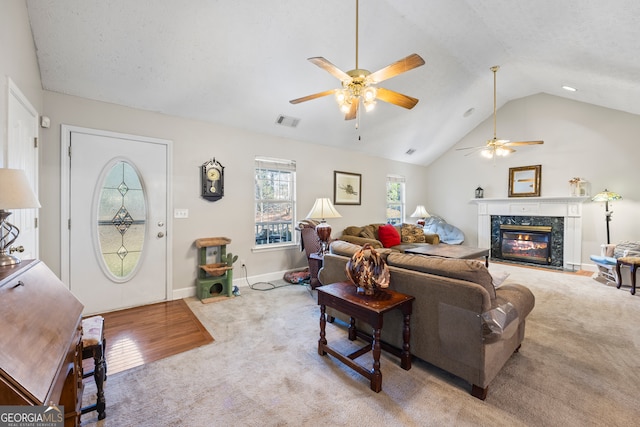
x: 239, y: 62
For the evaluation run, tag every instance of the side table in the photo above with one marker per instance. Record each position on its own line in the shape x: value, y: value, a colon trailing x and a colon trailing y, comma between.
x: 343, y: 297
x: 315, y: 264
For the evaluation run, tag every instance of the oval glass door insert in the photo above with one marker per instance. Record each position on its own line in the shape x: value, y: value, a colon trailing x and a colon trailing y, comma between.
x: 122, y: 213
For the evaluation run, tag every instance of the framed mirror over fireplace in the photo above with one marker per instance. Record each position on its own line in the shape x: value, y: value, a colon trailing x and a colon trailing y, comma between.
x: 524, y: 181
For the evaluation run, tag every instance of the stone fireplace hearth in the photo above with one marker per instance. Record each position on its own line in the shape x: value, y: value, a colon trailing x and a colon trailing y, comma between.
x: 563, y: 214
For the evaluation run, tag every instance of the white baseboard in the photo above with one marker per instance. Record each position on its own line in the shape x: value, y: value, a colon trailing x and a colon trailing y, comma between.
x: 241, y: 283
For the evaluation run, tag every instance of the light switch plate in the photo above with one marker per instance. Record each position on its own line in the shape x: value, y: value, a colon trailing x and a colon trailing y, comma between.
x: 181, y: 213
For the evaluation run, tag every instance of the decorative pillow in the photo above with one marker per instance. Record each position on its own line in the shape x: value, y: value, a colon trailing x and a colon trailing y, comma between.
x: 626, y: 249
x: 412, y: 234
x: 388, y: 235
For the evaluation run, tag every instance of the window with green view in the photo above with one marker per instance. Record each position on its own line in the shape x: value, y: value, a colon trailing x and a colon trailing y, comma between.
x: 395, y: 199
x: 275, y: 201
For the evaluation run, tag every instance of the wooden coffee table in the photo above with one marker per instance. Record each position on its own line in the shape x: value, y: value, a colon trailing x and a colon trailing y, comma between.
x: 343, y: 297
x: 451, y: 251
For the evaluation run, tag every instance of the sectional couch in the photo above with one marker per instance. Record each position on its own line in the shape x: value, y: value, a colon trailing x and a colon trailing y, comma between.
x: 410, y: 235
x: 460, y: 323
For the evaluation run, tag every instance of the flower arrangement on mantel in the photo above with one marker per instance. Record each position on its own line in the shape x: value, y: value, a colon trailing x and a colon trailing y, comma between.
x: 578, y: 187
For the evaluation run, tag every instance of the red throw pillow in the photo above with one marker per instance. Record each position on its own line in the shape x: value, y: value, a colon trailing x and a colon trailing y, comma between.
x: 388, y: 235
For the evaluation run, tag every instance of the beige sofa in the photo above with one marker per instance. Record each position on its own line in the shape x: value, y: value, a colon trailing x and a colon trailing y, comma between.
x: 460, y: 322
x: 411, y: 236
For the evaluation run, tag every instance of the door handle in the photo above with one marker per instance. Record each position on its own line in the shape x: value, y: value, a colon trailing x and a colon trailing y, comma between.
x: 160, y: 234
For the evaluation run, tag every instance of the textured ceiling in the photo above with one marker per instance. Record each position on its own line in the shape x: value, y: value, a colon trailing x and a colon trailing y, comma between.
x: 240, y: 62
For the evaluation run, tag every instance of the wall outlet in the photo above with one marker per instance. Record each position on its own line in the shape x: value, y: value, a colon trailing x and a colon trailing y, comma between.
x: 243, y: 263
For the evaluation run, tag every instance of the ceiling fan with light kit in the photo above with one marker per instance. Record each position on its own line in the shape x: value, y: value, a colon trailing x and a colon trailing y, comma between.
x: 360, y: 84
x: 497, y: 147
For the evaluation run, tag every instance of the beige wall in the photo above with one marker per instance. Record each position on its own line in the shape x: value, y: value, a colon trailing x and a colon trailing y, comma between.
x: 580, y: 140
x: 196, y: 142
x: 17, y: 61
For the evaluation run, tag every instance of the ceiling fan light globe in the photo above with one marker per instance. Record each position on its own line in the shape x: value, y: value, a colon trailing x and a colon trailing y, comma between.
x: 370, y: 94
x: 369, y: 105
x: 345, y: 107
x: 487, y: 154
x: 501, y: 152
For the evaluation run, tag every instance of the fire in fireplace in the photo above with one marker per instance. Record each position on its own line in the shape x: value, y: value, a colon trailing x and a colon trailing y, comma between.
x: 531, y: 243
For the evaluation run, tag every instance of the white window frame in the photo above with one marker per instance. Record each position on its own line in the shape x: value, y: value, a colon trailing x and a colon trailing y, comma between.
x: 391, y: 179
x: 284, y: 165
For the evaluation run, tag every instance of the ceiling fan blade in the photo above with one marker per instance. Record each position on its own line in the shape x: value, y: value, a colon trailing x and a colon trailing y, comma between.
x: 409, y: 63
x: 471, y: 148
x: 471, y: 152
x: 515, y: 143
x: 353, y: 111
x: 330, y: 68
x: 396, y: 98
x: 314, y: 96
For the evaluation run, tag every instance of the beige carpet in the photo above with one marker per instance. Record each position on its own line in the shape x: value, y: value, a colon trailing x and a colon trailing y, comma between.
x: 579, y: 366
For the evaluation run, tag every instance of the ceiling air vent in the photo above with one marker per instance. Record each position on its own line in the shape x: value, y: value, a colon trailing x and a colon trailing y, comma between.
x: 287, y: 121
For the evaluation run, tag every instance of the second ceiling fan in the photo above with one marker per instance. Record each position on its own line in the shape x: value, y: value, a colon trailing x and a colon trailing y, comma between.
x: 360, y: 84
x: 494, y: 146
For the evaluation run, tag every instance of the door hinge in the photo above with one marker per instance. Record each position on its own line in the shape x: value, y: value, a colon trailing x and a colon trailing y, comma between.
x: 69, y: 150
x: 69, y: 223
x: 35, y: 142
x: 35, y: 222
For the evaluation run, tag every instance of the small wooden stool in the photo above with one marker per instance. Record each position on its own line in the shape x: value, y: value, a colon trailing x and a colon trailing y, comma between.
x: 633, y: 262
x: 93, y: 346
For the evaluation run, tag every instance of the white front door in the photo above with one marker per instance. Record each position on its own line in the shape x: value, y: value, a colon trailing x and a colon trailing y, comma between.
x: 22, y: 153
x: 118, y: 204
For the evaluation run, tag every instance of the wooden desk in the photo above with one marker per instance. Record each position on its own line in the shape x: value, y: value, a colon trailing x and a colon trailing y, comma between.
x: 343, y: 297
x: 40, y: 340
x: 451, y: 251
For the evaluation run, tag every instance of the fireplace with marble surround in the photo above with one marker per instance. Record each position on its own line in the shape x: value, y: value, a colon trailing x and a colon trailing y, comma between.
x: 528, y: 239
x: 562, y: 214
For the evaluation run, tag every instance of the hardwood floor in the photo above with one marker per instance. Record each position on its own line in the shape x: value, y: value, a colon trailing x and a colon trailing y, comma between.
x: 140, y: 335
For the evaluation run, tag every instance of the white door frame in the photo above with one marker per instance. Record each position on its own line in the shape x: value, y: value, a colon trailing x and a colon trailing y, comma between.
x: 14, y: 152
x: 65, y: 202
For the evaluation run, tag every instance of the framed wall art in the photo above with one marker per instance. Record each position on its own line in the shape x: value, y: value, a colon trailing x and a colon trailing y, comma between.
x: 524, y: 181
x: 347, y: 188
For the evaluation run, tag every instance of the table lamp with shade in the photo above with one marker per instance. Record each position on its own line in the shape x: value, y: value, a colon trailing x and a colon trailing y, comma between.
x: 420, y: 213
x: 323, y: 209
x: 15, y: 193
x: 606, y: 197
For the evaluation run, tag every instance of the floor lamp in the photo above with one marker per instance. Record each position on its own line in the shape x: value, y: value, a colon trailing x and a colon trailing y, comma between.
x: 606, y: 197
x: 15, y: 193
x: 322, y: 209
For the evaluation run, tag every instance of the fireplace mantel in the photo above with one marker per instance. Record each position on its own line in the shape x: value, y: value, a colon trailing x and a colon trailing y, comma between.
x: 570, y: 208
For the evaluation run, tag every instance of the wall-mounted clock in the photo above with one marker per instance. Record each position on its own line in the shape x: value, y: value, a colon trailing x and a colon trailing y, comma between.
x: 212, y: 178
